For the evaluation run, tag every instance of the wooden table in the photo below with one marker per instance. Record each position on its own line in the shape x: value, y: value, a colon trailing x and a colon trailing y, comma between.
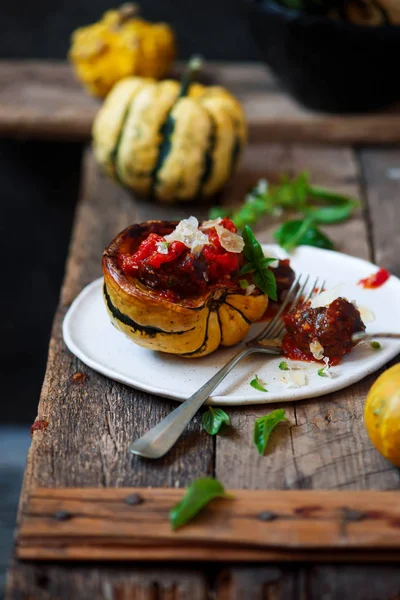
x: 91, y: 422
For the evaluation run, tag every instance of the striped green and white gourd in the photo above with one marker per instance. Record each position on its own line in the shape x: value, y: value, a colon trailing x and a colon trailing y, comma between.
x: 169, y: 140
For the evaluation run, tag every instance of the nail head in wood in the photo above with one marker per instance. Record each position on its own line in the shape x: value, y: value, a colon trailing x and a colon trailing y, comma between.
x: 134, y: 500
x: 62, y: 515
x: 267, y: 515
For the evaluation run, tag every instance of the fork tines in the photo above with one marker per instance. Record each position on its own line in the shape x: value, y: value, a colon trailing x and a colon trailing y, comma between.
x: 296, y: 295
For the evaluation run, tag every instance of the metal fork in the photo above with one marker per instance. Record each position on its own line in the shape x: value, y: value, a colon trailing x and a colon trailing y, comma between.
x: 158, y: 440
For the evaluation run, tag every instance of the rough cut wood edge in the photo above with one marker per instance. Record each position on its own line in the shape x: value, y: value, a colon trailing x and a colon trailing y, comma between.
x: 133, y: 524
x: 43, y: 100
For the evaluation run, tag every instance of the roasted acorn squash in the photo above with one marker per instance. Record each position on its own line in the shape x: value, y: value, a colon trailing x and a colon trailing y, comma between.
x: 120, y: 45
x: 191, y: 327
x: 169, y: 141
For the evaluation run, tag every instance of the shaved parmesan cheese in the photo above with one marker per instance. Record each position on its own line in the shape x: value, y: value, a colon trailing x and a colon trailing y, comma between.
x: 188, y: 233
x: 296, y: 378
x: 162, y: 247
x: 366, y: 314
x: 212, y: 223
x: 299, y: 378
x: 317, y: 350
x: 232, y: 242
x: 326, y: 369
x: 250, y: 288
x: 327, y: 297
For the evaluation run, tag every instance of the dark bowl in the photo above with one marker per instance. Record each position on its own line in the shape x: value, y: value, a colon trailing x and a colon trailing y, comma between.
x: 328, y: 64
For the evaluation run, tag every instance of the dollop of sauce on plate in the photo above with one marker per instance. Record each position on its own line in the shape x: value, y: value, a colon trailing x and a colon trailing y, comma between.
x: 375, y: 280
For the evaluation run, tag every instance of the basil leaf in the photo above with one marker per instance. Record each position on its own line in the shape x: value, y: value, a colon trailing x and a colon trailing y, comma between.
x: 255, y: 383
x: 340, y: 207
x: 263, y: 427
x: 330, y: 214
x: 252, y: 250
x: 213, y: 419
x: 263, y: 277
x: 301, y: 233
x: 265, y: 280
x: 247, y: 268
x: 292, y: 194
x: 197, y: 496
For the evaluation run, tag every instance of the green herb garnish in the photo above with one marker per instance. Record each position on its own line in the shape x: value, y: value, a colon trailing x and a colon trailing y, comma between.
x: 243, y: 283
x: 255, y: 383
x: 197, y: 496
x: 264, y: 426
x: 257, y: 264
x: 321, y: 372
x: 283, y: 366
x: 376, y: 346
x: 214, y: 419
x: 301, y: 233
x: 315, y: 204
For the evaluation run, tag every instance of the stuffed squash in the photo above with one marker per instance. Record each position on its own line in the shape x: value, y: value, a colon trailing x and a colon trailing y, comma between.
x: 186, y: 288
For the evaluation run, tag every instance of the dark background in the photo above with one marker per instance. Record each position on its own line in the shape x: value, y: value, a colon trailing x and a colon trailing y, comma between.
x: 39, y: 181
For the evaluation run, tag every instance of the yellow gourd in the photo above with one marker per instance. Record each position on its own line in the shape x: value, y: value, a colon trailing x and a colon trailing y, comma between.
x: 119, y: 45
x: 382, y: 414
x: 169, y: 141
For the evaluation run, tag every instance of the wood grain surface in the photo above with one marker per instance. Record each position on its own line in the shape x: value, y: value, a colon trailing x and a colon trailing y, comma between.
x: 92, y: 421
x: 43, y: 99
x: 274, y: 526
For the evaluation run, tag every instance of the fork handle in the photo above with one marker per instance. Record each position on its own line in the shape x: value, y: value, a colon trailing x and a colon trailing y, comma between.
x: 158, y: 440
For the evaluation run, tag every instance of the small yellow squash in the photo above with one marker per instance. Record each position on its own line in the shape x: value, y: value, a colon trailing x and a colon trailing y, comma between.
x: 119, y: 45
x: 382, y: 414
x: 192, y: 327
x: 169, y: 141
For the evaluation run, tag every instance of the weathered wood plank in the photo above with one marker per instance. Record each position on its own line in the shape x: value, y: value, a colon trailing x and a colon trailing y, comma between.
x: 92, y: 421
x: 381, y: 174
x: 42, y: 99
x: 94, y: 524
x: 359, y: 582
x: 79, y: 582
x: 325, y: 444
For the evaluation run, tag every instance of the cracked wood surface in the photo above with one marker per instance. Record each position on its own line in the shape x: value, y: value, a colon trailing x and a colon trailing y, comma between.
x: 91, y: 422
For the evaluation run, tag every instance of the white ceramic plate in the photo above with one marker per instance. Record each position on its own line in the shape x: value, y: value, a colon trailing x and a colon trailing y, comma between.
x: 89, y: 334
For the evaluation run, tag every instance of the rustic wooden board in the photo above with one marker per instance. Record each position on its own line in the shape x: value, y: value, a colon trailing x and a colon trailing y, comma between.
x: 133, y: 524
x: 92, y: 422
x: 42, y: 99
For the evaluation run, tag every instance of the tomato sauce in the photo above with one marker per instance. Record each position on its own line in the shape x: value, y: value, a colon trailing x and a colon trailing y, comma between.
x: 173, y: 270
x: 332, y: 326
x: 375, y: 280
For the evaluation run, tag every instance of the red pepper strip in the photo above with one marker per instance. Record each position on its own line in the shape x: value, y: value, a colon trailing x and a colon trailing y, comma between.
x: 157, y: 259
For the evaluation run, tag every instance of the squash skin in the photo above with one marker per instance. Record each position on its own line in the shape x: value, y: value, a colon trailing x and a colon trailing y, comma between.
x: 382, y: 414
x: 208, y: 135
x: 193, y: 327
x: 119, y: 45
